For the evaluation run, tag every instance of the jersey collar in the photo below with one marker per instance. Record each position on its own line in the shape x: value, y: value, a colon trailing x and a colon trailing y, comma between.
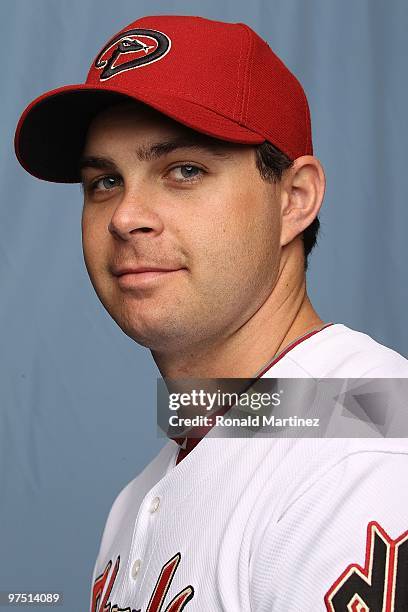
x: 187, y: 444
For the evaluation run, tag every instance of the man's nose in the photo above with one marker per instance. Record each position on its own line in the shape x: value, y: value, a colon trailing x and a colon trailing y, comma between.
x: 135, y: 214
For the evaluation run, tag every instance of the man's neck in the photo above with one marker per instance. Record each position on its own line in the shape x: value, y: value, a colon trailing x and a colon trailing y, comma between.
x: 285, y: 316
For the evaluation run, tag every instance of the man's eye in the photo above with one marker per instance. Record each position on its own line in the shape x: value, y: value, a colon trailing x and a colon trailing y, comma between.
x: 186, y: 172
x: 105, y: 183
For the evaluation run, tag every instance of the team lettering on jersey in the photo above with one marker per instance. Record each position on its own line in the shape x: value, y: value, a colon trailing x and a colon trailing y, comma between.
x: 382, y: 584
x: 156, y: 602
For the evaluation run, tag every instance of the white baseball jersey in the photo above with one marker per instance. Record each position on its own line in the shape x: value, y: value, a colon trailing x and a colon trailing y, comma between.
x: 267, y: 524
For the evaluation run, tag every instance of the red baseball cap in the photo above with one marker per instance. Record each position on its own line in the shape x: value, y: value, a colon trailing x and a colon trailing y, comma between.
x: 220, y: 79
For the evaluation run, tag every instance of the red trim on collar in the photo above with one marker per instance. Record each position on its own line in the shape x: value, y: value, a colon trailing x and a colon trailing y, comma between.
x: 192, y: 442
x: 290, y: 347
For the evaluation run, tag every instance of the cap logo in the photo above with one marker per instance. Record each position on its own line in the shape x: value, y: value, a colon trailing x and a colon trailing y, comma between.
x: 131, y: 49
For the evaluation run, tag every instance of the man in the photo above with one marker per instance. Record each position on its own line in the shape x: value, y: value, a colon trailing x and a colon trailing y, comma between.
x: 201, y: 193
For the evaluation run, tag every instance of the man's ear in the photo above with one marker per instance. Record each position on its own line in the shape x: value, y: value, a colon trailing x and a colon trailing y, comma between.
x: 302, y: 192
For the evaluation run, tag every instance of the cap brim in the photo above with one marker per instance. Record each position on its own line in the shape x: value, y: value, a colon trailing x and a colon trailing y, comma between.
x: 51, y: 132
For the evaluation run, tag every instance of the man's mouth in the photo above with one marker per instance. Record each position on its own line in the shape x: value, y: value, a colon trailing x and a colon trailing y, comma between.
x: 139, y: 276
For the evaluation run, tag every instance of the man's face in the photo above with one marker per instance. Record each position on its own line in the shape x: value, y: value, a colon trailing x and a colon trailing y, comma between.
x: 201, y: 216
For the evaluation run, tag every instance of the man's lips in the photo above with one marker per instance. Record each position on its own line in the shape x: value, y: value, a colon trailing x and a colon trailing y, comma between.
x: 129, y: 277
x: 142, y: 270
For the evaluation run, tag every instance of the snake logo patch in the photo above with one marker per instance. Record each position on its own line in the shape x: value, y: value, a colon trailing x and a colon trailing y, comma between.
x: 382, y: 584
x: 131, y: 49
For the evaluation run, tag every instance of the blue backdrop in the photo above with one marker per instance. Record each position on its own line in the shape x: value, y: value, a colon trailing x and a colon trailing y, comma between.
x: 77, y: 413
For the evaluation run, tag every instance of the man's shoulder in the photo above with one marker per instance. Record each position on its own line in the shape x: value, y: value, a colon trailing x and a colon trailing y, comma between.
x: 337, y: 351
x: 147, y: 478
x: 127, y: 503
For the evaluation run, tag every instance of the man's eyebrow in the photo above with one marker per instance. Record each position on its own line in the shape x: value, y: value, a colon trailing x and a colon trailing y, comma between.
x: 95, y: 161
x: 156, y: 150
x: 159, y: 149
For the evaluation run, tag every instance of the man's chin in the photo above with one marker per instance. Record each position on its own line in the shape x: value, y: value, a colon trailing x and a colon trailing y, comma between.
x: 159, y: 338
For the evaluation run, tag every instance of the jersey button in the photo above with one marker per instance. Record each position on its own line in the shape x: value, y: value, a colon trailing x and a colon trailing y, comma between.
x: 136, y: 568
x: 154, y: 506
